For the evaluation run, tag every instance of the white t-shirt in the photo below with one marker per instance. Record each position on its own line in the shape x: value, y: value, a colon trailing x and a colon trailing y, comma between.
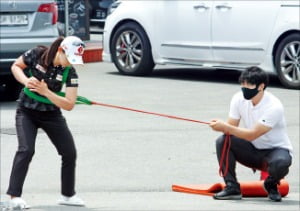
x: 269, y: 112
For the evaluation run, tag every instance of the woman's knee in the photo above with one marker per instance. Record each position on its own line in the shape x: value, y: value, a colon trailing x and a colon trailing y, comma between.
x: 25, y: 153
x: 69, y: 156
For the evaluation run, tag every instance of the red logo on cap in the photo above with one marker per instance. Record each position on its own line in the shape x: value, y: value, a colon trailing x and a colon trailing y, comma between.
x: 79, y: 51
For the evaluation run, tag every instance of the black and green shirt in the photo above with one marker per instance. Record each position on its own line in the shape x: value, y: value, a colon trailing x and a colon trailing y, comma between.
x: 52, y: 76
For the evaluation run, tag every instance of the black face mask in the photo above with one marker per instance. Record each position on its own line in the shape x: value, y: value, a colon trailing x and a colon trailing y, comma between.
x: 249, y: 93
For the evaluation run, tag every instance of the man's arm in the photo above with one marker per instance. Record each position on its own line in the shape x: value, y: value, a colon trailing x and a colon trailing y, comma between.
x: 232, y: 128
x: 234, y: 122
x: 247, y: 134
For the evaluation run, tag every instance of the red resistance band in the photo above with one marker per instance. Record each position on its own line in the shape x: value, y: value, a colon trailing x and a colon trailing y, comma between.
x: 224, y: 161
x: 147, y: 112
x: 227, y: 141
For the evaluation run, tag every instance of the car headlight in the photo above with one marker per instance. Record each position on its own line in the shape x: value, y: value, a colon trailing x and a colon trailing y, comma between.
x: 113, y: 7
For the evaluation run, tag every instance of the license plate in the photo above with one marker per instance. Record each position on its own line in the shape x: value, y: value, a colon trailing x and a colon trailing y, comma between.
x: 10, y: 20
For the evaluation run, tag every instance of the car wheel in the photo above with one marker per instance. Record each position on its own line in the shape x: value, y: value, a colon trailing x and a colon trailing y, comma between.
x: 15, y: 92
x: 131, y: 50
x: 9, y: 89
x: 287, y: 61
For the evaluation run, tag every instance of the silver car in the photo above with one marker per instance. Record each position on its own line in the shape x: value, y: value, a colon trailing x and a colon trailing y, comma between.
x: 24, y: 24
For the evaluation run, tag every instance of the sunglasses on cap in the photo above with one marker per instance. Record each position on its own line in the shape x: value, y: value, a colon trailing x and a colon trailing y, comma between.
x: 77, y: 43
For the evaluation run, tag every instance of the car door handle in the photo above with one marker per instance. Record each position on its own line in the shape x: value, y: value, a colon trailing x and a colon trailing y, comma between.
x: 223, y: 6
x: 201, y: 6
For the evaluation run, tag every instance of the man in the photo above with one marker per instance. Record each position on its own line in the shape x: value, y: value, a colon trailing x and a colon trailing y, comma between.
x: 262, y: 143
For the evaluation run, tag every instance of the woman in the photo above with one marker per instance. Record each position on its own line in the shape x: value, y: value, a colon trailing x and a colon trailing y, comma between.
x: 47, y: 70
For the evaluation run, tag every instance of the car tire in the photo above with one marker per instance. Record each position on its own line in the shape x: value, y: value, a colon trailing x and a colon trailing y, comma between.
x: 287, y: 61
x: 9, y: 89
x: 131, y: 50
x: 15, y: 92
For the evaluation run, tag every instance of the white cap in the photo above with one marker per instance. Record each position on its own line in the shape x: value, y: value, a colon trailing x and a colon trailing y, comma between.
x: 74, y: 48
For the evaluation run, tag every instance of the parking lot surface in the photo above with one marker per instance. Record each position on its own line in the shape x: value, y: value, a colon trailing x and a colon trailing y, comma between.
x: 129, y: 160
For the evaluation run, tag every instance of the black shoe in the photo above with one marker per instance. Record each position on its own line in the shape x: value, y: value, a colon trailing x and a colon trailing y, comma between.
x: 230, y: 192
x: 270, y: 185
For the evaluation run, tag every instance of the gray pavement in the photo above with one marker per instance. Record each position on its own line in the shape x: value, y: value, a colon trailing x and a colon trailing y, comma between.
x: 128, y: 160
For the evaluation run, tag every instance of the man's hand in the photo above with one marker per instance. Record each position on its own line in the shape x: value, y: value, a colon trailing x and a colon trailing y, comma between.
x: 39, y: 87
x: 218, y: 125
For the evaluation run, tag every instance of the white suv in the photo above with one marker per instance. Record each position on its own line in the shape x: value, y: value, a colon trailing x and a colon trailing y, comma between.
x: 210, y: 34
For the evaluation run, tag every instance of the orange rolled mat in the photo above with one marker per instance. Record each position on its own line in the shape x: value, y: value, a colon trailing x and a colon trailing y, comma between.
x: 248, y: 189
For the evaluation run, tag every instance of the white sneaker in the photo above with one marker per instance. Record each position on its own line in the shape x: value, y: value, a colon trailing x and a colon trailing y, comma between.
x: 71, y: 201
x: 18, y: 203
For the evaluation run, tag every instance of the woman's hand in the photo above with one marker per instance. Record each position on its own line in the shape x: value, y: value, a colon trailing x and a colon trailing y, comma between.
x: 31, y: 82
x: 39, y: 86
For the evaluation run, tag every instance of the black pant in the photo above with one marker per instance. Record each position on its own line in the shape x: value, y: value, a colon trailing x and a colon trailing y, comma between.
x: 54, y: 124
x: 275, y: 161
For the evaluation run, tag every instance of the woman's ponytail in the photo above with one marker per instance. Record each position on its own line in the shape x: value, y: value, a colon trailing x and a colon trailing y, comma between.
x: 49, y: 55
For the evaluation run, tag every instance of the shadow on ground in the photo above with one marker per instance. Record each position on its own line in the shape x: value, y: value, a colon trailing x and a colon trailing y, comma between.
x: 212, y: 75
x: 61, y: 208
x: 194, y: 74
